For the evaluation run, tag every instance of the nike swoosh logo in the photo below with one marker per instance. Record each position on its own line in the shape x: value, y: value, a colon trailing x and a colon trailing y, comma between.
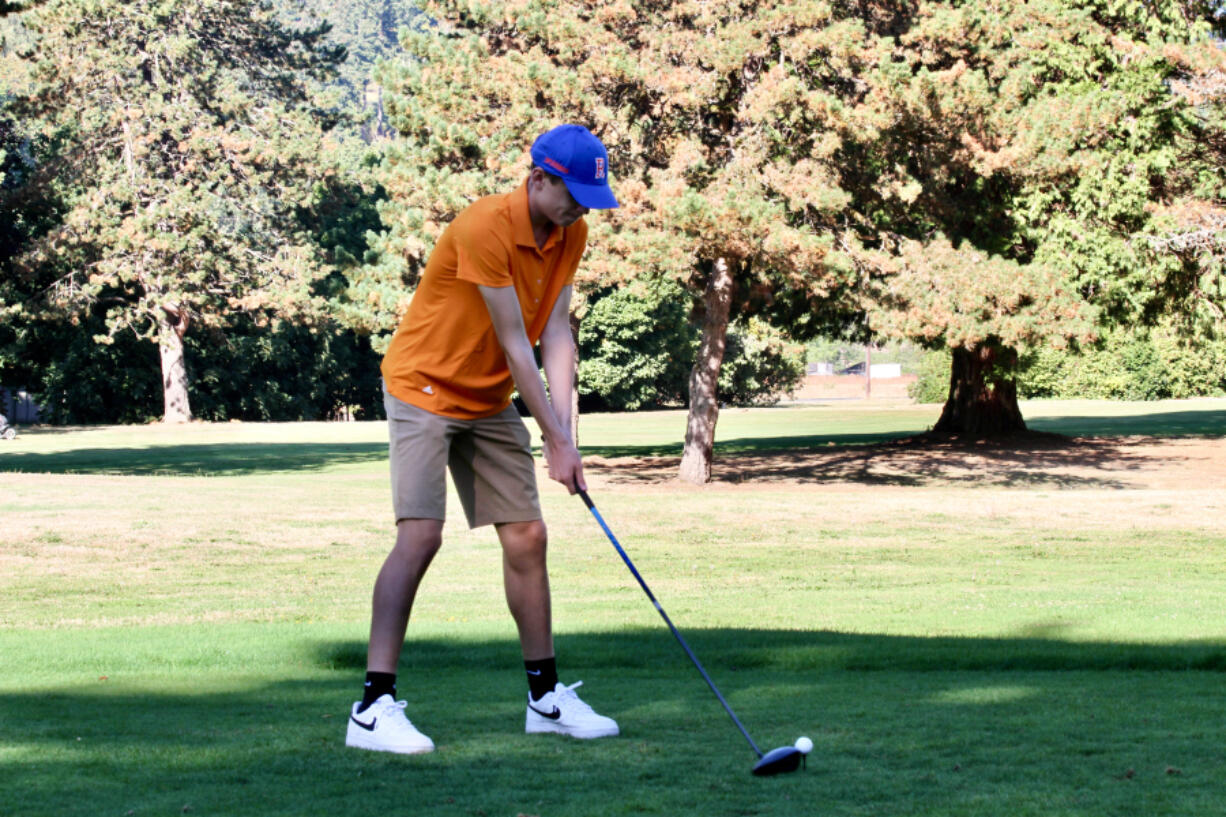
x: 369, y: 727
x: 553, y: 716
x: 535, y: 672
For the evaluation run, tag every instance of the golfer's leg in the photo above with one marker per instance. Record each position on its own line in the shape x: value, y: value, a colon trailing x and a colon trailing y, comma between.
x: 527, y: 582
x: 417, y: 540
x: 527, y: 585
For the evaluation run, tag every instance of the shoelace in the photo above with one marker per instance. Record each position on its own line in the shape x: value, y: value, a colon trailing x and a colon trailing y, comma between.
x: 389, y: 709
x: 568, y: 694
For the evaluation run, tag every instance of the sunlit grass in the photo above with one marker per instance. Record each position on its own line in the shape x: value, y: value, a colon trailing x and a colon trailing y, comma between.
x: 183, y: 616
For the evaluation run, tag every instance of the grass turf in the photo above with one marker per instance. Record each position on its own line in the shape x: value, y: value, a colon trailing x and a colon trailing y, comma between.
x: 183, y: 618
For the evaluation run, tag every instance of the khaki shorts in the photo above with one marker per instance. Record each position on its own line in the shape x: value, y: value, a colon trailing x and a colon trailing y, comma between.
x: 490, y: 460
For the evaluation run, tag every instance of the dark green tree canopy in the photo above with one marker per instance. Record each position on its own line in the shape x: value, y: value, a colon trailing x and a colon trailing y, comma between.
x: 187, y: 137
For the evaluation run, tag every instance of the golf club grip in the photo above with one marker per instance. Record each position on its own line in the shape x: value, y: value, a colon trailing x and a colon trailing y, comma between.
x: 676, y: 633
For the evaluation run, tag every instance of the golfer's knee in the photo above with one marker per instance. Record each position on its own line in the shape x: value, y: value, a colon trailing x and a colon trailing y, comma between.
x: 418, y: 539
x: 524, y: 545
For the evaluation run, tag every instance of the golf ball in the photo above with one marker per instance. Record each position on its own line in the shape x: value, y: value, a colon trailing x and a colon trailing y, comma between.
x: 804, y: 745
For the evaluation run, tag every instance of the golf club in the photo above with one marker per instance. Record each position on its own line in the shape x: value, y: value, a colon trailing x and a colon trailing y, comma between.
x: 776, y: 761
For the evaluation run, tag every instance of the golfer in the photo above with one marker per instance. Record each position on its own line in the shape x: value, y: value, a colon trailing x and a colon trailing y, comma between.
x: 498, y: 281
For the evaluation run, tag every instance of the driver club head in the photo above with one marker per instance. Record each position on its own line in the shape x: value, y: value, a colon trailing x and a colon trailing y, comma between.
x: 778, y: 761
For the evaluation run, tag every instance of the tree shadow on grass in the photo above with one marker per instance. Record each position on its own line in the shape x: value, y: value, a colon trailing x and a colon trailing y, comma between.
x: 745, y: 445
x: 1036, y: 460
x: 1204, y: 423
x: 902, y: 726
x: 221, y: 459
x: 1038, y: 649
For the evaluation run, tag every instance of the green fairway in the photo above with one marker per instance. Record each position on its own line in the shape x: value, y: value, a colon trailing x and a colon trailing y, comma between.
x: 183, y: 615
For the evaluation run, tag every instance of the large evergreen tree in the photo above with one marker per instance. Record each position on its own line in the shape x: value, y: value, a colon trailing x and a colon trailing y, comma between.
x: 722, y: 147
x: 985, y: 174
x: 189, y: 141
x: 1044, y: 142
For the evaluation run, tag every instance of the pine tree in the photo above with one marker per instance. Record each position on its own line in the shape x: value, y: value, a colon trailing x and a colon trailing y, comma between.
x: 976, y: 176
x: 722, y: 146
x: 190, y: 140
x: 1043, y: 141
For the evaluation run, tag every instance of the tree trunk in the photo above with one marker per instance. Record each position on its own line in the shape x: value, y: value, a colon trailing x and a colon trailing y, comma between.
x: 982, y: 393
x: 172, y: 325
x: 704, y: 378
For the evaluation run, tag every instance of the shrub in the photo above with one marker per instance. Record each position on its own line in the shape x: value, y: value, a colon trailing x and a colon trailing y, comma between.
x: 1130, y: 364
x: 760, y: 365
x: 932, y: 385
x: 637, y: 346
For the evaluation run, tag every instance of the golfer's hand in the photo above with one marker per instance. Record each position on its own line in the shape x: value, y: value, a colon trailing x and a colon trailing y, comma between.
x: 565, y: 465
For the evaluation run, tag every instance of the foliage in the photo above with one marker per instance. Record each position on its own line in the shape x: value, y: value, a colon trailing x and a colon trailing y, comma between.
x: 31, y: 205
x: 1072, y: 130
x: 192, y: 138
x: 982, y: 172
x: 655, y: 83
x: 932, y: 385
x: 284, y: 371
x: 1036, y: 143
x: 342, y: 216
x: 251, y: 364
x: 723, y: 122
x: 189, y: 139
x: 249, y: 367
x: 243, y: 370
x: 1190, y: 368
x: 75, y: 380
x: 1129, y: 364
x: 695, y: 107
x: 760, y: 365
x: 1139, y: 364
x: 976, y: 185
x: 636, y: 346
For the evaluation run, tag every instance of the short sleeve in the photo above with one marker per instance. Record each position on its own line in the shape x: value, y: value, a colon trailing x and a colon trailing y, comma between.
x: 482, y: 254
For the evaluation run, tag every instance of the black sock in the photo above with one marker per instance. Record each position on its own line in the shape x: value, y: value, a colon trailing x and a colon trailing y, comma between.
x: 542, y: 676
x: 377, y: 685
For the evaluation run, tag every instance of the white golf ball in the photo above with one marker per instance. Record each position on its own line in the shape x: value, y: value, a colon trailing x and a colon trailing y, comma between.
x: 804, y: 745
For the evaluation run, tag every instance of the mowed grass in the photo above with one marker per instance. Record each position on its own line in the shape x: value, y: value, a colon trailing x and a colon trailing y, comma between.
x: 183, y: 616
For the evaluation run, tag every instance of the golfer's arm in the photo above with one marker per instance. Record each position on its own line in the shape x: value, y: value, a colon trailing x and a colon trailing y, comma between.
x: 503, y: 306
x: 558, y: 358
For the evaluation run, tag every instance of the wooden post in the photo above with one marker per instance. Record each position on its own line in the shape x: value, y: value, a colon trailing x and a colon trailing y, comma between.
x: 868, y: 371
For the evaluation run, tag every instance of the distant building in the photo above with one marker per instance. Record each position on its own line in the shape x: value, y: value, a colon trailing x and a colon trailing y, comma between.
x: 819, y: 369
x: 879, y: 371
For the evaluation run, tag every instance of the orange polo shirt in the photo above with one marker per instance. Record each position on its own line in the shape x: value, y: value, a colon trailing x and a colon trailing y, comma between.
x: 445, y: 357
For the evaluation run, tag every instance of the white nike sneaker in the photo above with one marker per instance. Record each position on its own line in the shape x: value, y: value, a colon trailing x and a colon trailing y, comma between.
x: 561, y: 712
x: 384, y: 728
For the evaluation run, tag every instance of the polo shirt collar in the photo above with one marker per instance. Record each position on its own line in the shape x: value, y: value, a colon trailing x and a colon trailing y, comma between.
x: 521, y: 221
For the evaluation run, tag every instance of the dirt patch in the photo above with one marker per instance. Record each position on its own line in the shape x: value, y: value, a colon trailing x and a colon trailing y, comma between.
x: 1026, y: 461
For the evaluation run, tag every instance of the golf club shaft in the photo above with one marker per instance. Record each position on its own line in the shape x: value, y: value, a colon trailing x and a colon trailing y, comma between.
x: 633, y: 570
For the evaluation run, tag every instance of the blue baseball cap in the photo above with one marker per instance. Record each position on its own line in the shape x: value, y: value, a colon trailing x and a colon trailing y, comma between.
x: 578, y: 158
